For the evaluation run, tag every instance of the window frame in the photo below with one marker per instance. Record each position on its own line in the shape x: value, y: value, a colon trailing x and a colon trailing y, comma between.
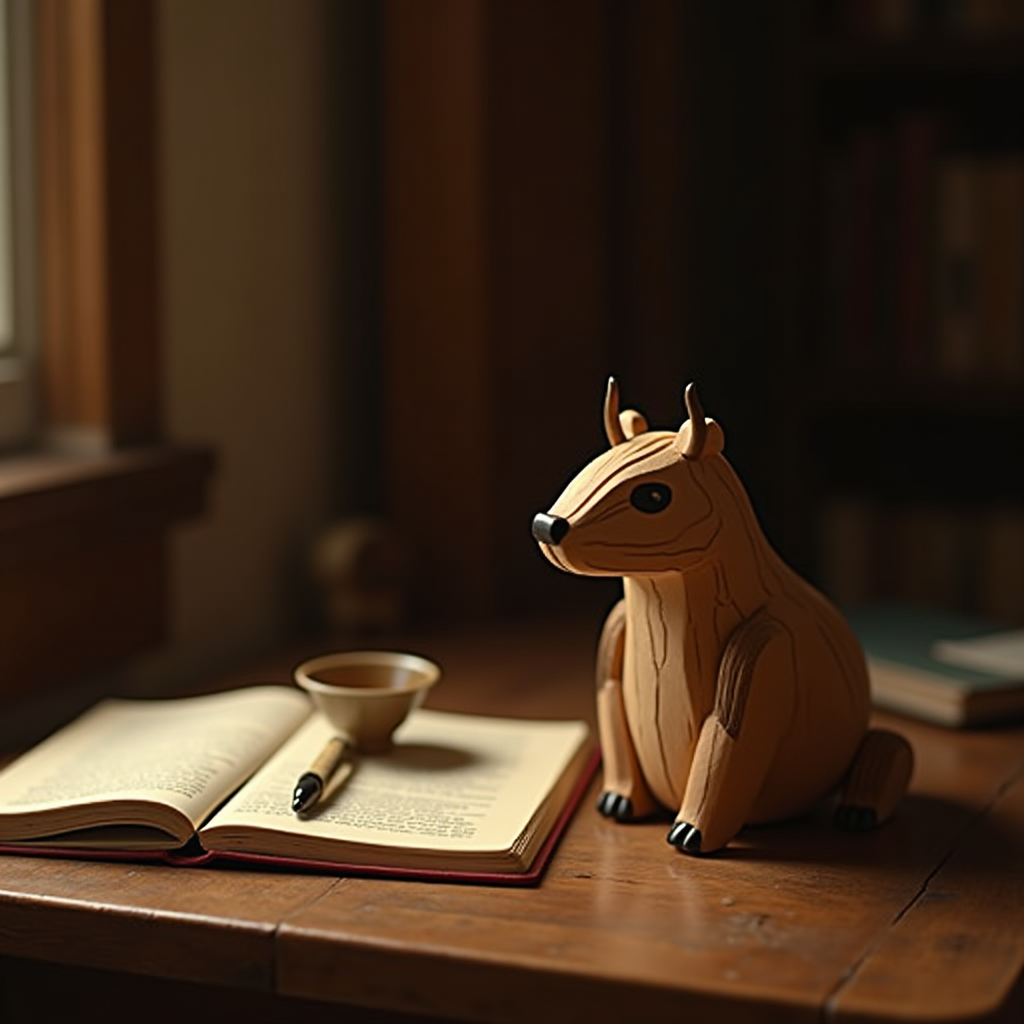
x: 85, y: 516
x: 19, y: 423
x: 99, y: 237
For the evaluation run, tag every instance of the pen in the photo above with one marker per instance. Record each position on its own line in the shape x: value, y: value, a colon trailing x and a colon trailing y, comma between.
x: 312, y: 782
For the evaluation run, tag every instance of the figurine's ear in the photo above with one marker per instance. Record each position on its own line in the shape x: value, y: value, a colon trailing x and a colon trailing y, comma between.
x: 612, y: 424
x: 699, y: 437
x: 620, y: 426
x: 632, y: 422
x: 714, y: 441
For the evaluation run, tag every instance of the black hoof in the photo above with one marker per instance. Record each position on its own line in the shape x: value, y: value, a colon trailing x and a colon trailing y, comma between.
x: 685, y: 837
x: 614, y: 805
x: 855, y: 819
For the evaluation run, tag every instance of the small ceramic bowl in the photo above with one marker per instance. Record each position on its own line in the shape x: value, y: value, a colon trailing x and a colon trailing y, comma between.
x: 366, y: 695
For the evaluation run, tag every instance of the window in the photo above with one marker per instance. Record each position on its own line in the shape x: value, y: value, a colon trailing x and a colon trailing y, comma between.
x: 17, y: 229
x: 84, y: 523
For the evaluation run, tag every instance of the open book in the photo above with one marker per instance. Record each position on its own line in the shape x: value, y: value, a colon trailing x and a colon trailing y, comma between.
x: 210, y: 777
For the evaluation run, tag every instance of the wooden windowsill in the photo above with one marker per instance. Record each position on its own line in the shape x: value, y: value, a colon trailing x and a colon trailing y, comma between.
x: 84, y: 564
x: 52, y: 504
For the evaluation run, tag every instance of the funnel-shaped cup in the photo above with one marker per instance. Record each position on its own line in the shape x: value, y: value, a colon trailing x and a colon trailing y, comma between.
x: 366, y: 695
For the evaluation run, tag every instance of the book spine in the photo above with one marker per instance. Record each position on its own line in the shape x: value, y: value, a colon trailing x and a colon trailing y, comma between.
x: 846, y: 545
x: 930, y: 556
x: 893, y: 18
x: 862, y: 302
x: 1001, y: 278
x: 915, y: 147
x: 956, y: 267
x: 885, y: 351
x: 1001, y: 566
x: 899, y: 18
x: 835, y: 245
x: 976, y: 17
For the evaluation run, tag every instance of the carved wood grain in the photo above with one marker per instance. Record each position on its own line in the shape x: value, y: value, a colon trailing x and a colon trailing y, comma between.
x: 745, y: 694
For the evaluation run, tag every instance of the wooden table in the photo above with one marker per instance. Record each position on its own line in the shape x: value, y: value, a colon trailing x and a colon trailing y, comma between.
x: 921, y: 921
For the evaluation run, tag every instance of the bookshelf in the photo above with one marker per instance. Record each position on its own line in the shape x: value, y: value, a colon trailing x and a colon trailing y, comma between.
x: 677, y: 232
x: 904, y: 300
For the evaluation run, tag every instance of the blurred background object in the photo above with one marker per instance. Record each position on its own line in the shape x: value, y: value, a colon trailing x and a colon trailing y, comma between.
x: 379, y: 257
x: 360, y: 568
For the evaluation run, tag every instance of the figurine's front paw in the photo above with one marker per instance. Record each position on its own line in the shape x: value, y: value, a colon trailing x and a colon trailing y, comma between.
x: 684, y: 836
x: 615, y: 805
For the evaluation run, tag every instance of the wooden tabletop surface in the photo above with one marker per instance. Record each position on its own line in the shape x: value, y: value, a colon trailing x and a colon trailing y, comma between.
x: 920, y: 921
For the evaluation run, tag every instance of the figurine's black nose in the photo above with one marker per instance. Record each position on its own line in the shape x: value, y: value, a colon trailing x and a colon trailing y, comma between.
x: 549, y: 529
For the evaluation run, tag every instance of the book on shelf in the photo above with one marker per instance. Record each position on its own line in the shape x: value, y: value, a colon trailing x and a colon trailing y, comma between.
x: 914, y: 552
x: 862, y: 313
x: 917, y: 139
x: 922, y: 554
x: 1001, y: 274
x: 891, y: 19
x: 955, y: 266
x: 1001, y: 564
x: 1001, y: 653
x: 979, y: 265
x: 930, y: 556
x: 847, y: 535
x: 922, y: 267
x: 199, y: 780
x: 901, y: 643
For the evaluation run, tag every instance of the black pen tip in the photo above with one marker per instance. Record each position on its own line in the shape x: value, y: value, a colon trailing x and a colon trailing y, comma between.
x: 306, y: 791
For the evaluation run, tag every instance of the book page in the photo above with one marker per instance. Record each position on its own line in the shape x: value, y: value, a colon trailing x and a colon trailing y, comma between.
x: 451, y: 782
x: 188, y: 754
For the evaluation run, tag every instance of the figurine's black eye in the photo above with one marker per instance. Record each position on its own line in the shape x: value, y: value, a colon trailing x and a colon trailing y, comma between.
x: 651, y: 497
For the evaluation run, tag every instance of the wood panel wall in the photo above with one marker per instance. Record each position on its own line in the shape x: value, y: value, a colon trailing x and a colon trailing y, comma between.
x: 534, y: 242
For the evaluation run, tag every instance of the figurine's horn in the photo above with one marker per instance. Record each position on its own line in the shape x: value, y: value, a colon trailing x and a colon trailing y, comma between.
x: 698, y: 425
x: 612, y: 425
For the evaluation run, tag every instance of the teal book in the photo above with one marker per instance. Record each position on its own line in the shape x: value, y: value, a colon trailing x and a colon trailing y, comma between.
x: 901, y: 644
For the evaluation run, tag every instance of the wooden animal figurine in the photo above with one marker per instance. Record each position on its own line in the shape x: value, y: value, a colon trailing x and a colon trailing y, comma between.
x: 729, y: 690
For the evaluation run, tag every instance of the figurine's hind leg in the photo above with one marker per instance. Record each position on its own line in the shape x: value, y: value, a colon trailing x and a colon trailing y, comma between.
x: 740, y: 739
x: 624, y: 796
x: 876, y: 782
